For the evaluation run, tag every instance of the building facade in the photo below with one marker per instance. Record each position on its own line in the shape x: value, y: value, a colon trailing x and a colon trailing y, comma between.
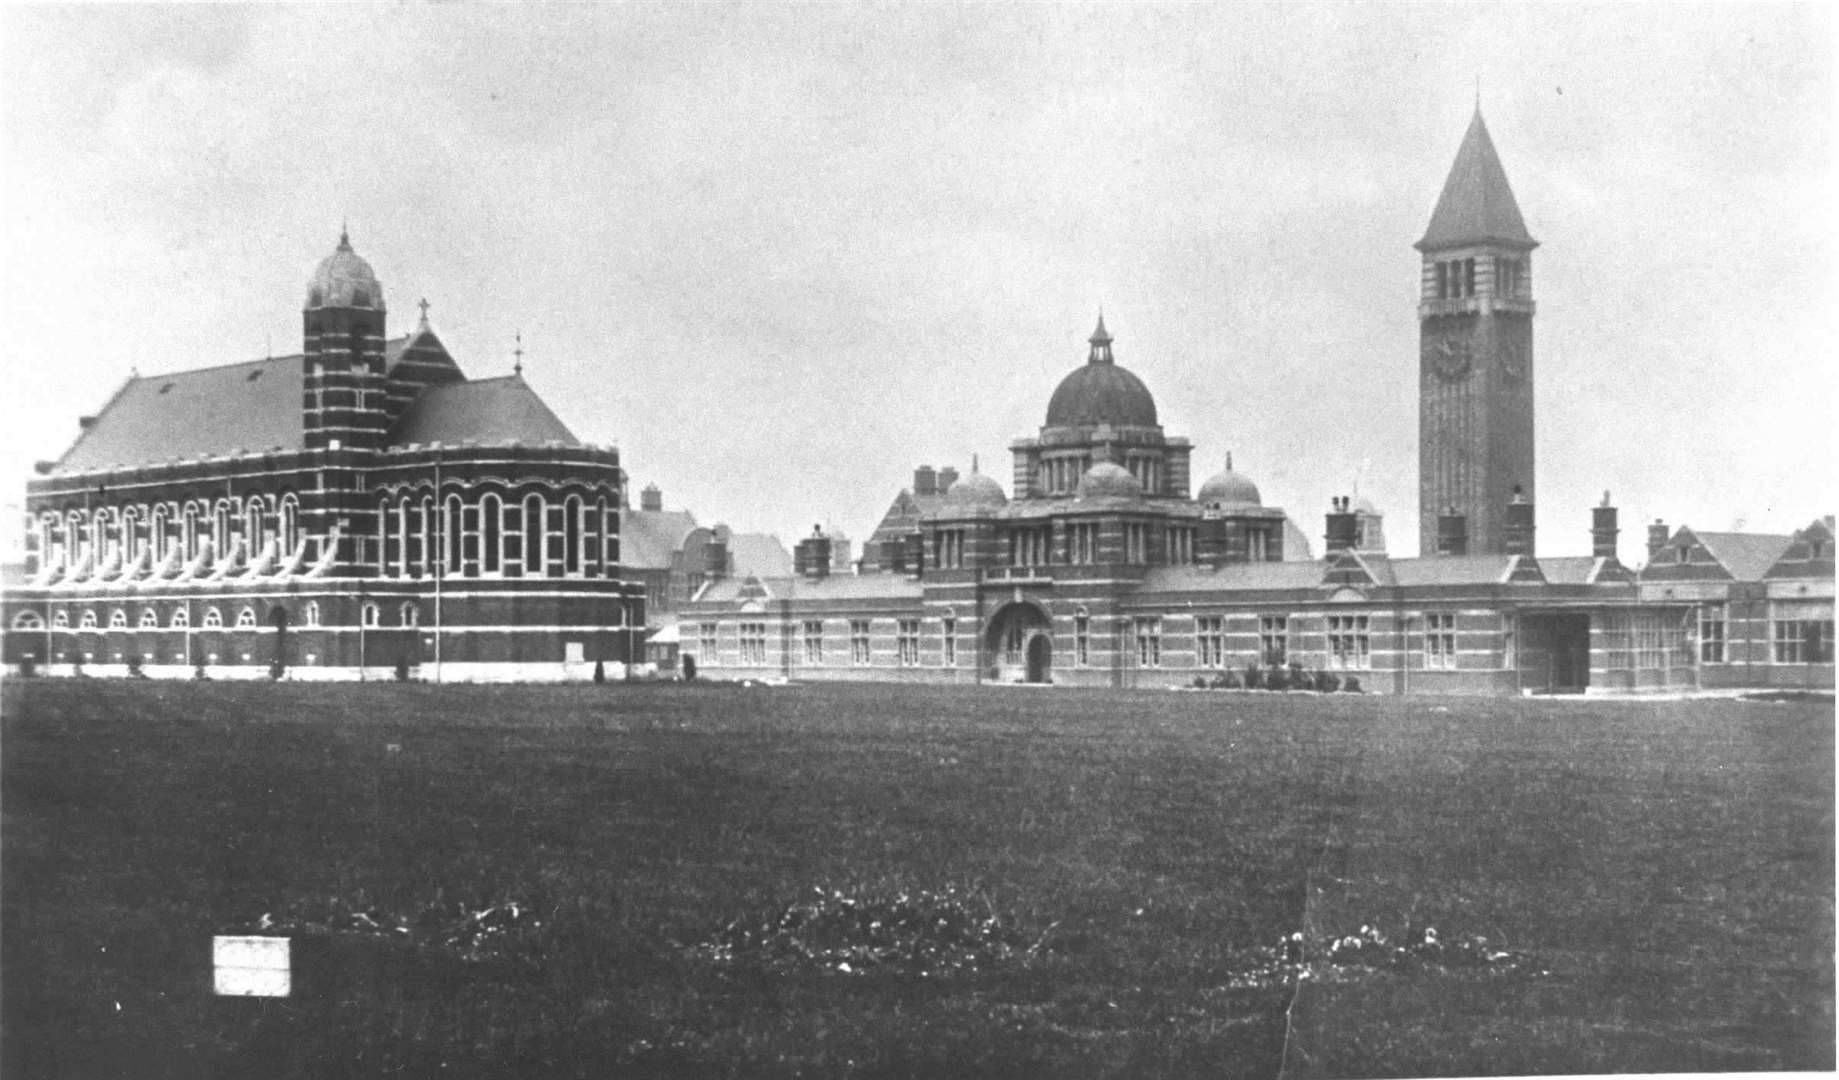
x: 360, y: 509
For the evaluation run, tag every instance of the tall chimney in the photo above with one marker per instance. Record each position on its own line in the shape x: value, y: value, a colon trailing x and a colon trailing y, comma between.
x: 811, y: 557
x: 1603, y: 530
x: 947, y: 477
x: 925, y: 481
x: 1517, y: 530
x: 651, y: 498
x: 1656, y: 539
x: 1452, y: 532
x: 715, y: 559
x: 1343, y: 526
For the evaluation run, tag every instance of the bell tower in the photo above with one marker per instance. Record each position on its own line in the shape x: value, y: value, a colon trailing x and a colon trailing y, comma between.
x: 1475, y: 363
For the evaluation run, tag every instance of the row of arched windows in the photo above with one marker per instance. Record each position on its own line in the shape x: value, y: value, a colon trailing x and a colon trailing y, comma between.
x: 408, y: 613
x: 496, y: 537
x: 163, y: 527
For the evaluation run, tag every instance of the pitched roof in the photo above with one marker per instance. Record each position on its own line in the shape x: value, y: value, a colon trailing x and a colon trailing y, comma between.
x: 758, y: 554
x: 252, y: 406
x: 1747, y: 556
x: 1248, y: 575
x: 498, y: 410
x: 649, y: 538
x: 1450, y: 570
x: 1477, y: 202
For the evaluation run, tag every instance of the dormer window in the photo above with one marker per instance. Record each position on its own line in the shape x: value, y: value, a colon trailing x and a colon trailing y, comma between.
x: 1680, y: 553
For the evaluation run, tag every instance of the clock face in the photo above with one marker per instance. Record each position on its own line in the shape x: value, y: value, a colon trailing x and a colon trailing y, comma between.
x: 1449, y: 355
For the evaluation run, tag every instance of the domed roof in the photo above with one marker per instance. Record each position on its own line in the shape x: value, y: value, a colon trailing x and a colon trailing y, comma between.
x: 975, y: 492
x: 1100, y: 392
x: 1109, y: 480
x: 1229, y: 488
x: 344, y: 279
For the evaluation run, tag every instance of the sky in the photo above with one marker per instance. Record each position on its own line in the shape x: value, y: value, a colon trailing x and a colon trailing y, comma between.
x: 782, y: 254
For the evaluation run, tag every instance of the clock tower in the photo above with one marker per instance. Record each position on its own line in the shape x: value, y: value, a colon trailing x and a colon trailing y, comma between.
x: 1475, y: 362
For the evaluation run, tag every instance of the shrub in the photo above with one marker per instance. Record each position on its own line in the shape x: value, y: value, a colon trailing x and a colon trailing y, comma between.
x: 1300, y: 679
x: 689, y: 668
x: 402, y: 669
x: 1200, y: 682
x: 198, y: 671
x: 134, y: 671
x: 28, y: 667
x: 1277, y: 678
x: 1352, y: 685
x: 76, y: 667
x: 600, y: 671
x: 1327, y: 682
x: 1254, y: 677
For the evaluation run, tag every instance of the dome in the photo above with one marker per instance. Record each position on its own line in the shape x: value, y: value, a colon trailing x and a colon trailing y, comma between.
x: 1229, y: 488
x: 344, y: 279
x: 975, y: 492
x: 1109, y: 480
x: 1100, y: 392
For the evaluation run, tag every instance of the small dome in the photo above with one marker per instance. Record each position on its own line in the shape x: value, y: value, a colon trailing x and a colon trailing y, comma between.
x: 1229, y: 488
x: 1109, y: 480
x: 1364, y: 505
x: 975, y: 492
x: 344, y: 279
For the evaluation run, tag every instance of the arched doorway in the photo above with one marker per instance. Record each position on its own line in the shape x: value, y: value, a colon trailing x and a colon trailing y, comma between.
x: 1020, y: 644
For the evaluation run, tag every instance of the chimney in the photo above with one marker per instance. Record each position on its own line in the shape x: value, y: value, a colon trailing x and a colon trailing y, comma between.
x: 925, y: 481
x: 1452, y: 532
x: 1656, y: 539
x: 811, y: 558
x: 86, y: 422
x: 913, y: 552
x: 1603, y: 530
x: 947, y: 477
x: 1343, y: 526
x: 1517, y: 530
x: 893, y: 555
x: 715, y: 559
x: 651, y: 498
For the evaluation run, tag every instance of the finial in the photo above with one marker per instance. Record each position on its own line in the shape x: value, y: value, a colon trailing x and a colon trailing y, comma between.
x: 1229, y: 461
x: 344, y: 234
x: 1478, y: 91
x: 973, y: 462
x: 1605, y: 496
x: 424, y: 313
x: 517, y: 368
x: 1100, y: 341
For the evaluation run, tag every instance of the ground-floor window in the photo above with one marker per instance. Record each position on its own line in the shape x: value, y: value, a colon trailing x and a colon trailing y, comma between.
x: 907, y: 637
x: 858, y: 641
x: 372, y: 617
x: 1274, y: 640
x: 814, y: 641
x: 706, y: 638
x: 1148, y: 631
x: 1439, y: 639
x: 753, y: 643
x: 1082, y: 640
x: 948, y: 641
x: 1802, y: 634
x: 1711, y: 633
x: 1210, y: 640
x: 1350, y: 643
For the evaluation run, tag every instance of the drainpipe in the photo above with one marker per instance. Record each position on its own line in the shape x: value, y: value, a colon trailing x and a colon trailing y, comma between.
x: 440, y: 557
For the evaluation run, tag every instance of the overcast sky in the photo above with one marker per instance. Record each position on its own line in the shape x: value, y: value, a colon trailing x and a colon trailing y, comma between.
x: 780, y: 255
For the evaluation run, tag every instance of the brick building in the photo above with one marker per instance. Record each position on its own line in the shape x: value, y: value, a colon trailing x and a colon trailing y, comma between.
x: 355, y: 508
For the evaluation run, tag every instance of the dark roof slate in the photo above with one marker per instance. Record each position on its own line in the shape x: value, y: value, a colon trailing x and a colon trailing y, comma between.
x: 497, y: 410
x: 1747, y: 556
x: 208, y: 412
x: 648, y: 539
x: 1477, y: 203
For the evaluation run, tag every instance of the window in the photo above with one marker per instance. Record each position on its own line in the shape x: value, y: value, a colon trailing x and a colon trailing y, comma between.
x: 948, y: 549
x: 1350, y: 645
x: 1148, y: 631
x: 61, y: 621
x: 389, y: 538
x: 1210, y: 640
x: 410, y: 613
x: 948, y: 641
x: 1274, y: 640
x: 213, y: 619
x: 1803, y: 633
x: 571, y: 534
x: 491, y: 536
x: 814, y: 641
x: 88, y: 621
x: 533, y: 535
x: 1711, y: 633
x: 181, y: 618
x: 118, y: 619
x: 28, y: 620
x: 1029, y: 547
x: 1136, y: 542
x: 245, y: 619
x: 706, y: 638
x: 372, y: 616
x: 1082, y: 543
x: 1181, y: 545
x: 290, y: 524
x: 753, y: 643
x: 907, y: 638
x: 252, y: 524
x: 453, y: 533
x: 1442, y: 281
x: 1439, y: 639
x: 858, y: 641
x: 149, y: 619
x: 312, y: 613
x: 1082, y: 639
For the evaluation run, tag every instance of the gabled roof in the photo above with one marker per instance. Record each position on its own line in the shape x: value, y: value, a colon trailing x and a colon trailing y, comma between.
x: 1477, y: 203
x: 1809, y: 555
x: 1746, y: 556
x: 497, y: 410
x: 1234, y: 576
x: 1450, y: 570
x: 758, y: 554
x: 649, y: 538
x: 206, y: 412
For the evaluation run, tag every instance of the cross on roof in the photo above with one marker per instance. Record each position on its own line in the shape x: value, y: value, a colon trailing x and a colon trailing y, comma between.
x: 424, y: 311
x: 517, y: 368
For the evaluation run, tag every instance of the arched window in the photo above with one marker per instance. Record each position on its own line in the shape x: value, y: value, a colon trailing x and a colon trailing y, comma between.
x: 182, y: 617
x: 99, y: 534
x: 129, y: 532
x: 534, y: 535
x: 388, y: 545
x: 220, y: 527
x: 312, y: 613
x: 245, y: 619
x: 149, y: 619
x: 371, y: 615
x: 403, y: 536
x: 213, y: 619
x: 61, y: 621
x: 491, y: 520
x: 118, y: 619
x: 88, y: 622
x: 49, y: 547
x: 290, y: 524
x: 571, y: 535
x: 452, y: 525
x: 28, y: 620
x: 596, y: 537
x: 410, y: 613
x: 76, y: 534
x: 253, y: 532
x: 609, y: 537
x: 188, y: 530
x: 156, y: 534
x: 425, y: 527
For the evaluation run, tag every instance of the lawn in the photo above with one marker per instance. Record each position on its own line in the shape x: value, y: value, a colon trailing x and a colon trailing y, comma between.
x: 1661, y: 873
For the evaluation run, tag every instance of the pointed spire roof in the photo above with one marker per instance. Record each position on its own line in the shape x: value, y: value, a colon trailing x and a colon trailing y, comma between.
x: 1100, y: 342
x: 1477, y: 203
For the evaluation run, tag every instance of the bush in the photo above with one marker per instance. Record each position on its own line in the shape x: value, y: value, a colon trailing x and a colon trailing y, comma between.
x: 1352, y: 685
x: 134, y: 671
x: 1277, y: 678
x: 1300, y: 679
x: 1254, y: 677
x: 600, y: 671
x: 1327, y: 682
x: 689, y: 668
x: 198, y: 671
x: 402, y: 669
x: 276, y: 669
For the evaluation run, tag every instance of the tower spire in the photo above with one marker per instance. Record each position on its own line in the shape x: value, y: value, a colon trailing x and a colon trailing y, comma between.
x: 1100, y: 342
x: 344, y: 234
x: 1477, y: 203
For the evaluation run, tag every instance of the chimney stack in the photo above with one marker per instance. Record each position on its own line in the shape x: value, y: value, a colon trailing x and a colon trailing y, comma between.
x: 1517, y: 532
x: 913, y: 552
x: 1452, y: 532
x: 1603, y: 530
x: 811, y: 558
x: 715, y: 559
x: 651, y: 498
x: 1343, y: 526
x: 925, y: 481
x: 947, y: 477
x: 1656, y: 539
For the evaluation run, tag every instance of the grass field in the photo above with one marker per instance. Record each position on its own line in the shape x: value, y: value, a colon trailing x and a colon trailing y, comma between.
x: 1668, y: 865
